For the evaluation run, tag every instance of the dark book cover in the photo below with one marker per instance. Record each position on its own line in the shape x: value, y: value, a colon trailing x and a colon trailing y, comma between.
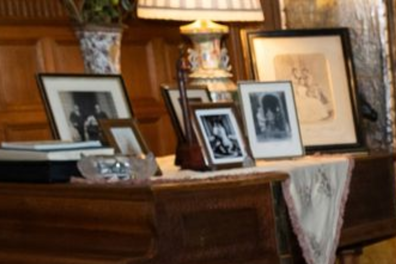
x: 38, y: 171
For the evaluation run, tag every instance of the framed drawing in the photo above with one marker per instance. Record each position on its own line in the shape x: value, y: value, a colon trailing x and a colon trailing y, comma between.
x: 124, y: 136
x: 171, y: 96
x: 220, y: 135
x: 76, y: 102
x: 319, y: 64
x: 270, y: 118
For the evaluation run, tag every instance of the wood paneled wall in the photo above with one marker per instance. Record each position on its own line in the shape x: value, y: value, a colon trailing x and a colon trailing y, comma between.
x: 36, y: 36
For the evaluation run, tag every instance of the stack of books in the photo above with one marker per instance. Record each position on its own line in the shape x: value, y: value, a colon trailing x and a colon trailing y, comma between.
x: 45, y: 161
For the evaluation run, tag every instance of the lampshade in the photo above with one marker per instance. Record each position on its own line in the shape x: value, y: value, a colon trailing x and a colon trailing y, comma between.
x: 188, y: 10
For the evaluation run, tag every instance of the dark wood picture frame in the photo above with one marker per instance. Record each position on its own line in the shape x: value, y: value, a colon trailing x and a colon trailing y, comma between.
x: 326, y: 57
x: 215, y: 123
x: 75, y: 102
x: 270, y: 118
x: 170, y: 95
x: 126, y: 130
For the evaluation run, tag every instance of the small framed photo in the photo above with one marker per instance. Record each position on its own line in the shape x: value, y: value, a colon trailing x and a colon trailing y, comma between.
x: 271, y: 119
x: 319, y: 64
x: 74, y: 103
x: 124, y: 136
x: 219, y: 132
x: 171, y: 95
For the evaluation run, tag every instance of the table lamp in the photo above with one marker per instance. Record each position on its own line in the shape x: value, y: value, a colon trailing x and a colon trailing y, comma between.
x: 208, y: 59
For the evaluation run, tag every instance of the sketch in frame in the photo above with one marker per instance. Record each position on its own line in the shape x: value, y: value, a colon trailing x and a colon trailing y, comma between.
x: 310, y: 77
x: 171, y: 96
x: 271, y: 119
x: 76, y: 103
x: 125, y: 137
x: 318, y: 63
x: 220, y: 134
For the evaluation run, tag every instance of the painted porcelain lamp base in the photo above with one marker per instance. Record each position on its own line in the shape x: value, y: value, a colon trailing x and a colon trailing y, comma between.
x: 209, y: 61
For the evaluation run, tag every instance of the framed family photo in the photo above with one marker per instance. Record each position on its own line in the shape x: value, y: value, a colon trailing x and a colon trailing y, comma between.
x: 171, y: 96
x: 219, y: 132
x: 125, y: 137
x: 319, y: 64
x: 270, y: 118
x: 76, y: 102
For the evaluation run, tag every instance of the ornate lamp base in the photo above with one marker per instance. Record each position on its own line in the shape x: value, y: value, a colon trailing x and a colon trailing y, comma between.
x: 209, y: 62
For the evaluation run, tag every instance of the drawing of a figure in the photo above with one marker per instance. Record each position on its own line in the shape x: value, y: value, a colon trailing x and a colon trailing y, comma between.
x: 310, y: 78
x: 310, y: 106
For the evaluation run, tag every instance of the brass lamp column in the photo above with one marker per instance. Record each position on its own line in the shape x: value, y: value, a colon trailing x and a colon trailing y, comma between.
x: 209, y: 60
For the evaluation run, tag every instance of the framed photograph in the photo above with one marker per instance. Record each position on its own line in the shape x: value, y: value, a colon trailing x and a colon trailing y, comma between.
x: 319, y: 65
x: 124, y: 136
x: 75, y: 103
x: 171, y: 96
x: 219, y: 133
x: 270, y: 118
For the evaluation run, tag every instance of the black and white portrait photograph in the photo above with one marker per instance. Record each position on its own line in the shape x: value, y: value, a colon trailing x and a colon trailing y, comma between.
x: 222, y: 137
x: 270, y: 115
x: 220, y: 134
x: 75, y: 103
x: 84, y: 109
x: 271, y: 121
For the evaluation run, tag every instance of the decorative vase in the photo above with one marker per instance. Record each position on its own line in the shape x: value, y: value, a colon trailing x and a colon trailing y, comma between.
x: 100, y: 49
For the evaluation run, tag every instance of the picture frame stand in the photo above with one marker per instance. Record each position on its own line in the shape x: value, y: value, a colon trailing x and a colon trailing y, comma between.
x: 188, y: 151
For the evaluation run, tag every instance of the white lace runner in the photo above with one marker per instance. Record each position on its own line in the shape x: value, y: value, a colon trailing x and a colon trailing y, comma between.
x: 315, y: 196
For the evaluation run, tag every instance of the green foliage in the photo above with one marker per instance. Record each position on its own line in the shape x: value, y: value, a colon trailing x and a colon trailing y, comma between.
x: 99, y: 12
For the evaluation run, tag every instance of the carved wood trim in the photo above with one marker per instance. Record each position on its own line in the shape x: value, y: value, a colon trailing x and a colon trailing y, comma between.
x: 272, y: 14
x: 22, y: 10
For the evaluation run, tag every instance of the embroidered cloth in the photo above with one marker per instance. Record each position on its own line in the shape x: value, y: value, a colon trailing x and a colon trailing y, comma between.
x: 315, y: 194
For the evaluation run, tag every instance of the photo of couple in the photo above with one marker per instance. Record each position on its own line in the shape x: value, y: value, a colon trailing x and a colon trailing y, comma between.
x: 83, y: 110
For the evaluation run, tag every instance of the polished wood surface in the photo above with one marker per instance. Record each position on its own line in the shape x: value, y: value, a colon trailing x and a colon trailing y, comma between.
x: 196, y: 222
x: 75, y: 224
x: 230, y: 219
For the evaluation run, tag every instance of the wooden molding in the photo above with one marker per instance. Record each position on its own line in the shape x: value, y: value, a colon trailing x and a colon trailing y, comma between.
x: 272, y: 15
x: 16, y: 11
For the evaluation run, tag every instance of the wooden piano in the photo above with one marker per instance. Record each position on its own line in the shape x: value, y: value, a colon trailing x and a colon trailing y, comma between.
x: 229, y: 220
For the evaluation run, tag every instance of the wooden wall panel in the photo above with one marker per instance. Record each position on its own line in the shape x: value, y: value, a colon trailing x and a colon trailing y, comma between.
x: 19, y: 132
x: 136, y: 69
x: 17, y: 60
x: 23, y: 125
x: 158, y: 132
x: 36, y: 36
x: 67, y: 57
